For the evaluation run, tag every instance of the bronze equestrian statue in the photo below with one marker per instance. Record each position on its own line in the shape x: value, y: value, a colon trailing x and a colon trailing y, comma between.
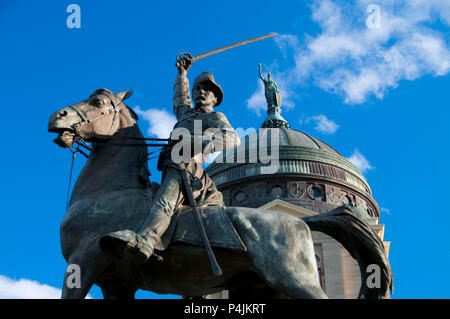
x: 207, y: 94
x: 263, y: 254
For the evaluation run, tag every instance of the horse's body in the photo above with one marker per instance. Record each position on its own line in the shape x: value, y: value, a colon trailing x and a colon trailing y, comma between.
x: 113, y: 192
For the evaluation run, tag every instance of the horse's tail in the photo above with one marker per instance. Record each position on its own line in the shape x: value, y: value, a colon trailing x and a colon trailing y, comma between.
x: 362, y: 244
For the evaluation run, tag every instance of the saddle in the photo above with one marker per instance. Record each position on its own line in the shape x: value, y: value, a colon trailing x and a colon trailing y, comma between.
x: 219, y: 229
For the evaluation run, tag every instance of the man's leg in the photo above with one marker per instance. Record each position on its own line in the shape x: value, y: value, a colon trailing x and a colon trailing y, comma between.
x: 164, y: 204
x: 142, y: 244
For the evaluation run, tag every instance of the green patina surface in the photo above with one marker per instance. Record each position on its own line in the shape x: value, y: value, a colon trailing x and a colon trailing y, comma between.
x: 294, y: 147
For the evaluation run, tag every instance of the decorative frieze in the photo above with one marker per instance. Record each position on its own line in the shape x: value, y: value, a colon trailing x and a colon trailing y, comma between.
x: 296, y: 190
x: 237, y: 172
x: 334, y: 195
x: 317, y: 196
x: 316, y: 192
x: 276, y: 191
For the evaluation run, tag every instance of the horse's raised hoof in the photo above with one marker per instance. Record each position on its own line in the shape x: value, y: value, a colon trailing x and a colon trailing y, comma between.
x: 122, y: 242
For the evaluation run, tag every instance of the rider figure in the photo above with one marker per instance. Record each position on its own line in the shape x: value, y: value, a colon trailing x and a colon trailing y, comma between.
x: 207, y: 94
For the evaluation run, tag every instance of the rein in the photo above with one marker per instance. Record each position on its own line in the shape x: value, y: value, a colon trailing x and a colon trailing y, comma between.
x: 70, y: 174
x: 139, y: 139
x: 80, y: 142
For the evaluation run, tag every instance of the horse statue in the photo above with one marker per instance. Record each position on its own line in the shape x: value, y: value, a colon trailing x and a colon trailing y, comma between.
x: 113, y: 192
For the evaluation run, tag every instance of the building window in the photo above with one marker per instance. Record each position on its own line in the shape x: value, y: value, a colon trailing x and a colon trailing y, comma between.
x: 316, y: 192
x: 321, y: 272
x: 240, y: 196
x: 277, y: 192
x: 320, y: 265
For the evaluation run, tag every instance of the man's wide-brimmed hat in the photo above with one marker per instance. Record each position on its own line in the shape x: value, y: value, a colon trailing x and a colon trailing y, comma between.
x: 208, y: 78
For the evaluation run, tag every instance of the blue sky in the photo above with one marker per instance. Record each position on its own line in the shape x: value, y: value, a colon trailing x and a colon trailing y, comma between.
x: 378, y: 93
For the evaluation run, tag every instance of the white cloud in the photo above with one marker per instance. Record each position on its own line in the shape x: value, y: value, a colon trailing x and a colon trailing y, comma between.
x: 323, y: 124
x: 285, y: 42
x: 385, y: 210
x: 350, y: 59
x: 160, y: 122
x: 257, y: 102
x: 27, y: 289
x: 360, y: 161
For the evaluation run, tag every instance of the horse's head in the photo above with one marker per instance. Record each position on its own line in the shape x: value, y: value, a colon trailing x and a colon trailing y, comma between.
x: 96, y: 117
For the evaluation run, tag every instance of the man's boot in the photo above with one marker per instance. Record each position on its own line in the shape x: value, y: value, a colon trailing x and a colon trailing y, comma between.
x: 122, y: 242
x: 119, y: 243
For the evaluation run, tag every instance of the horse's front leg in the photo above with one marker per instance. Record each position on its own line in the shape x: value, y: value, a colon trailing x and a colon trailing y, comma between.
x: 82, y: 270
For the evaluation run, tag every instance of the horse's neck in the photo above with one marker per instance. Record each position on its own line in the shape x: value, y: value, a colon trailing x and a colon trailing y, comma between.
x: 111, y: 167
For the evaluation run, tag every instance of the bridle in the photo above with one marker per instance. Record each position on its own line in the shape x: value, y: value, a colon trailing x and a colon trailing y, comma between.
x: 116, y: 106
x: 86, y: 122
x: 81, y: 127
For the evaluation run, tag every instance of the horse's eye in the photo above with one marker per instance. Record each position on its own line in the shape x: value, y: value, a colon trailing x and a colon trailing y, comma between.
x: 98, y: 103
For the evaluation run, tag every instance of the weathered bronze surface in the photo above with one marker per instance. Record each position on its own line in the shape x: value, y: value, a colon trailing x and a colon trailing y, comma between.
x: 114, y: 193
x: 174, y: 187
x: 271, y: 90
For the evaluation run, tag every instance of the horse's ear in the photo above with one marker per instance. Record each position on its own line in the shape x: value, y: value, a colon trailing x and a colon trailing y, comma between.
x: 124, y: 95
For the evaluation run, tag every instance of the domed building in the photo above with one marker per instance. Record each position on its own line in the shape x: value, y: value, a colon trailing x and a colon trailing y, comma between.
x: 283, y: 169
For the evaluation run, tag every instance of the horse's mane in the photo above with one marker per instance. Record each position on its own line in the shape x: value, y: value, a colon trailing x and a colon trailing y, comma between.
x: 101, y: 91
x: 132, y: 112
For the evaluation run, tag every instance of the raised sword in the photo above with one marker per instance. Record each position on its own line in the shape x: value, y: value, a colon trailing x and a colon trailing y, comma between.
x: 228, y: 47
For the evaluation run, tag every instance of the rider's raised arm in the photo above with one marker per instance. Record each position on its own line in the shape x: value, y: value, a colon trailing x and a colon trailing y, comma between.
x: 182, y: 102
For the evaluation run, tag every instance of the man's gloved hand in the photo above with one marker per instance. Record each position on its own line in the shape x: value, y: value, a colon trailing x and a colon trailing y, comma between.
x: 184, y: 63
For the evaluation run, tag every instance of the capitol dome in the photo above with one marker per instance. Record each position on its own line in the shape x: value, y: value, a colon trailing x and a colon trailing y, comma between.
x: 278, y: 168
x: 306, y: 172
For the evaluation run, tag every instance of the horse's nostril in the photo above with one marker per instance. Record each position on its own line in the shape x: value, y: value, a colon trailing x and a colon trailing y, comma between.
x: 63, y: 113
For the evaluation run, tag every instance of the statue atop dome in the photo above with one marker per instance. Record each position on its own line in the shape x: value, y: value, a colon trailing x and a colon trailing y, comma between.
x: 273, y: 95
x: 273, y: 98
